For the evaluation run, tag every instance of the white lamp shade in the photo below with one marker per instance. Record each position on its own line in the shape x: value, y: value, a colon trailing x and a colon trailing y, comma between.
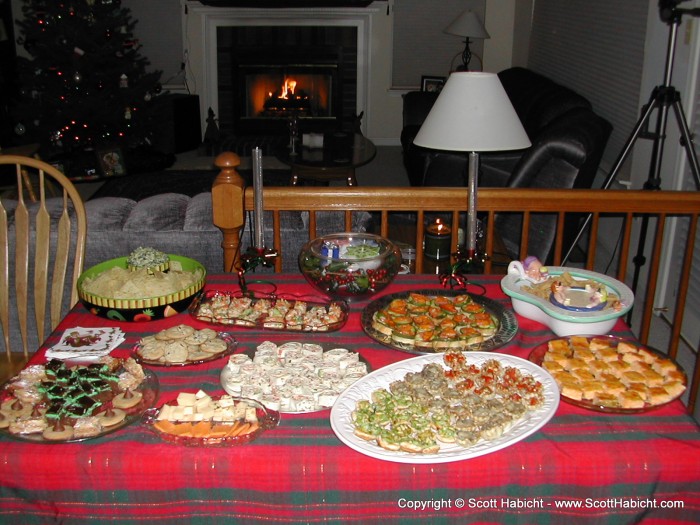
x: 468, y: 25
x: 472, y: 113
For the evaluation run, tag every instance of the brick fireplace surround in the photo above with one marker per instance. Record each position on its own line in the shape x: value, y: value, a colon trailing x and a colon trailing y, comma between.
x: 214, y: 19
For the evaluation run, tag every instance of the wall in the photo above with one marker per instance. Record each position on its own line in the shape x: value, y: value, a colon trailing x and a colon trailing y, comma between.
x: 163, y: 39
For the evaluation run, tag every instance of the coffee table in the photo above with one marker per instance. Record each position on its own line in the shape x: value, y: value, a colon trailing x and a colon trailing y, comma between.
x: 337, y: 159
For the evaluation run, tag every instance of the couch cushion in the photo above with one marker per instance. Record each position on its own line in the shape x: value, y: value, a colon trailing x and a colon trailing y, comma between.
x: 537, y: 99
x: 199, y: 216
x: 160, y: 212
x: 108, y: 213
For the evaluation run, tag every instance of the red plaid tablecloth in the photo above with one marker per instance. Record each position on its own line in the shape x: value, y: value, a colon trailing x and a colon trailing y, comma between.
x: 581, y: 467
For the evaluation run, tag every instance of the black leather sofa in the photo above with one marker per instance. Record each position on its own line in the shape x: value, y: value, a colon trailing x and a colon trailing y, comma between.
x: 568, y: 139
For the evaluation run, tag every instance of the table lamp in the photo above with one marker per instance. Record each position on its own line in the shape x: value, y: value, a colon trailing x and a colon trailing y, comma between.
x: 472, y: 113
x: 469, y: 26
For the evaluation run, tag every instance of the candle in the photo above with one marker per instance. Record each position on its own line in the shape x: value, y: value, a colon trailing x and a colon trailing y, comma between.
x: 471, y: 211
x: 258, y: 232
x: 438, y: 236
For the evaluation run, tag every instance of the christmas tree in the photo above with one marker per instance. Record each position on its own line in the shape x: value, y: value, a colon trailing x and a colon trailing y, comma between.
x: 85, y: 85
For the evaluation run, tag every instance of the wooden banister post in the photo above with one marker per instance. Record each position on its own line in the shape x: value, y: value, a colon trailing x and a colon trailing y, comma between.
x: 227, y: 194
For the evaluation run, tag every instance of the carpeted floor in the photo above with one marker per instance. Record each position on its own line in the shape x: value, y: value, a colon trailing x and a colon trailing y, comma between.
x: 187, y: 182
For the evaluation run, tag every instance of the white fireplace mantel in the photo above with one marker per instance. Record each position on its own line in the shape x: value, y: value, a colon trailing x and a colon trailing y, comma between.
x: 200, y: 24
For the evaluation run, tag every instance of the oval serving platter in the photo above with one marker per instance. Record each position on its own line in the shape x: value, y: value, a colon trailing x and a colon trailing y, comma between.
x: 269, y: 312
x: 192, y: 358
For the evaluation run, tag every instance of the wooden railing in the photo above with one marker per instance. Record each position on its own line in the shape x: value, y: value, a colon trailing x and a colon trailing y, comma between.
x: 615, y: 216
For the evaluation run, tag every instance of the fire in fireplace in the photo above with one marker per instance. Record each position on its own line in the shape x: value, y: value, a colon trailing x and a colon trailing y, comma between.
x: 269, y: 74
x: 277, y: 95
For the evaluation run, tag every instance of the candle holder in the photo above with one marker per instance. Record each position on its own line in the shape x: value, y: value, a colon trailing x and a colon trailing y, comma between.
x: 293, y: 126
x: 465, y: 263
x: 255, y: 257
x: 251, y: 259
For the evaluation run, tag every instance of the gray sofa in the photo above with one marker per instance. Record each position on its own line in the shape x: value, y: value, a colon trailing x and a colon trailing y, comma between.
x: 170, y: 222
x: 176, y: 223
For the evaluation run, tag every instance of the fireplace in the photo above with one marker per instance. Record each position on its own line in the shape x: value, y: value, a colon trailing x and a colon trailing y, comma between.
x: 269, y: 75
x: 227, y: 42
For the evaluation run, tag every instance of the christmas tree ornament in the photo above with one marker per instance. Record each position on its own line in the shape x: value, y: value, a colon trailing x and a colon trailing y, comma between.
x: 147, y: 97
x: 123, y: 81
x: 127, y: 113
x: 20, y: 129
x: 77, y: 77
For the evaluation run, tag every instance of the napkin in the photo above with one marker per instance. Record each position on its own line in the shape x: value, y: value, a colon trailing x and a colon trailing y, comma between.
x: 86, y: 343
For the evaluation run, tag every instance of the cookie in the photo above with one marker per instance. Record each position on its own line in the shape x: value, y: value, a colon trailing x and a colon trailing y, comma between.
x: 127, y: 399
x: 148, y: 339
x: 196, y: 354
x: 15, y: 408
x: 152, y: 351
x: 200, y: 336
x: 58, y: 433
x: 179, y: 332
x: 175, y: 352
x: 215, y: 346
x: 111, y: 417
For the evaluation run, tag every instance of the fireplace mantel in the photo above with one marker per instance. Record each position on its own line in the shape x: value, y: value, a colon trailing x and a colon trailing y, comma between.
x: 288, y: 3
x: 201, y: 23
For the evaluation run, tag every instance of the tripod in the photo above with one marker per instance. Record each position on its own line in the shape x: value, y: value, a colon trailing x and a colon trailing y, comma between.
x: 662, y: 98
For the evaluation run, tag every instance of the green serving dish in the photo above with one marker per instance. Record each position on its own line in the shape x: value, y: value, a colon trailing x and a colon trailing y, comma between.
x: 145, y: 308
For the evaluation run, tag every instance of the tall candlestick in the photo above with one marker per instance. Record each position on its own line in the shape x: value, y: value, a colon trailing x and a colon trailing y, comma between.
x: 471, y: 211
x: 259, y: 235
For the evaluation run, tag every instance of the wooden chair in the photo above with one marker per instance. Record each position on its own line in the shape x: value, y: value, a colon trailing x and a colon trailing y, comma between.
x: 56, y: 228
x: 672, y: 216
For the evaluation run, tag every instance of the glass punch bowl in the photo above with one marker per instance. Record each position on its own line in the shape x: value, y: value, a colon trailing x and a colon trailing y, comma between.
x: 350, y: 266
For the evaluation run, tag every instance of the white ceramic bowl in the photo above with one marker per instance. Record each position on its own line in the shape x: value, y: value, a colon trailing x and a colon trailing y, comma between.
x: 565, y: 322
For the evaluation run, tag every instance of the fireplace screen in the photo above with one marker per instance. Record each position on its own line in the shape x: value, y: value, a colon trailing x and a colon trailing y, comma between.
x: 282, y: 94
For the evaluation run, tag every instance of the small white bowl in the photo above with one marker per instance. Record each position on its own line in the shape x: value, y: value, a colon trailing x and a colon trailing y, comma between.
x: 561, y: 321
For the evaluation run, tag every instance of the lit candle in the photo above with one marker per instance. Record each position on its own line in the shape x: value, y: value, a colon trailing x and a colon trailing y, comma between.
x: 258, y: 232
x: 437, y: 240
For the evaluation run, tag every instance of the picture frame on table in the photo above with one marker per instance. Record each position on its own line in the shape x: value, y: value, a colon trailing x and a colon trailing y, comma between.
x: 432, y: 84
x: 111, y: 162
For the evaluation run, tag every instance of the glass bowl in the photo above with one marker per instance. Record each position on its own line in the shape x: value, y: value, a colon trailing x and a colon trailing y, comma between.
x: 350, y: 266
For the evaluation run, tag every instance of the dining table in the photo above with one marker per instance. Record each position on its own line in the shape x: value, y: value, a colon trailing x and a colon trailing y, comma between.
x: 581, y: 466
